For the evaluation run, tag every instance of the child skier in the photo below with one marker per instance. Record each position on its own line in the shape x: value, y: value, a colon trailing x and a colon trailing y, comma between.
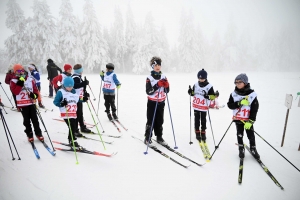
x: 203, y: 92
x: 157, y: 86
x: 243, y: 101
x: 66, y: 99
x: 60, y: 78
x: 35, y: 75
x: 111, y: 82
x: 10, y: 75
x: 80, y: 86
x: 25, y: 90
x: 215, y: 103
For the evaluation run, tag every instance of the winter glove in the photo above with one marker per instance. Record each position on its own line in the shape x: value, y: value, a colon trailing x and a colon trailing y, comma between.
x: 160, y: 83
x: 86, y: 96
x: 212, y: 97
x: 33, y: 96
x: 21, y: 81
x: 244, y: 102
x: 190, y: 91
x: 63, y: 103
x: 166, y: 83
x: 102, y: 73
x: 119, y: 86
x: 86, y: 82
x: 248, y: 124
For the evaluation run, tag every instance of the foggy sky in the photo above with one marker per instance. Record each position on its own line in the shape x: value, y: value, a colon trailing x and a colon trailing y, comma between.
x: 256, y: 16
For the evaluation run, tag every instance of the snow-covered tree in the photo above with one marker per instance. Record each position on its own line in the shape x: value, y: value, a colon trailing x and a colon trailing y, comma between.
x: 43, y: 37
x: 95, y: 47
x: 130, y: 38
x: 70, y: 45
x: 18, y: 50
x: 4, y: 61
x: 118, y: 38
x: 188, y: 46
x: 164, y: 50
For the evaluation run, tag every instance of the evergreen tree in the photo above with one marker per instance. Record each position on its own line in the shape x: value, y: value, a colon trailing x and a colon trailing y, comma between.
x: 18, y: 50
x: 95, y: 47
x: 70, y: 45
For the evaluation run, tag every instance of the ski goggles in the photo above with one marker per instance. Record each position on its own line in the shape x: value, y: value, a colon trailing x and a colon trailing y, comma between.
x: 19, y: 71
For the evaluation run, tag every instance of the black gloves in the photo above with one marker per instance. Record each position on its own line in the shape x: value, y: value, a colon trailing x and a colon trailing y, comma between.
x: 20, y: 81
x: 63, y: 103
x: 190, y: 91
x: 33, y: 96
x: 86, y: 82
x: 86, y: 96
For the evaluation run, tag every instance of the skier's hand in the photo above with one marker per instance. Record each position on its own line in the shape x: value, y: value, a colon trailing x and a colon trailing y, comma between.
x: 248, y: 124
x: 21, y: 81
x: 86, y: 97
x: 63, y: 103
x: 86, y: 82
x: 160, y: 83
x: 211, y: 97
x: 102, y: 73
x: 244, y: 102
x: 33, y: 96
x: 119, y: 86
x: 166, y: 83
x: 190, y: 91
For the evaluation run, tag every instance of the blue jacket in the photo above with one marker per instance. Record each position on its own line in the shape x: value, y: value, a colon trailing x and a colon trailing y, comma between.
x: 117, y: 82
x: 59, y: 97
x: 36, y: 76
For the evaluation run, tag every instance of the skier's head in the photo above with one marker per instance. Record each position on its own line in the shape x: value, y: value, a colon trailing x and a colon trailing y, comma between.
x: 241, y: 81
x: 31, y: 67
x: 49, y: 61
x: 18, y: 70
x: 202, y: 75
x: 68, y: 68
x: 155, y: 63
x: 78, y: 69
x: 68, y: 83
x: 110, y: 67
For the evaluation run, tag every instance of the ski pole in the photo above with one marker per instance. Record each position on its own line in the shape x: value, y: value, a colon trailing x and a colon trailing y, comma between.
x: 97, y: 117
x: 211, y: 125
x: 99, y: 97
x: 171, y: 120
x: 117, y: 102
x: 91, y: 90
x: 71, y: 134
x: 6, y: 95
x: 146, y: 152
x: 273, y: 147
x: 220, y: 141
x: 96, y: 124
x: 7, y: 130
x: 190, y: 118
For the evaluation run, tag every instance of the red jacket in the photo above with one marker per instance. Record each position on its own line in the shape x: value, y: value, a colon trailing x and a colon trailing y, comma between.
x: 16, y: 89
x: 8, y: 77
x: 55, y: 81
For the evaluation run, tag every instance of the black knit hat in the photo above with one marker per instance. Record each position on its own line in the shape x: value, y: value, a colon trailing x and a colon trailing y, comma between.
x: 110, y: 66
x: 50, y: 60
x: 202, y: 74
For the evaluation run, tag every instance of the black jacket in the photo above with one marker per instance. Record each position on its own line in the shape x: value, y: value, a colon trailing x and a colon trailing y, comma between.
x: 245, y: 91
x: 52, y: 70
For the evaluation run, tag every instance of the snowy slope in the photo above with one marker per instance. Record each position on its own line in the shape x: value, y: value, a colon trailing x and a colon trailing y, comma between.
x: 132, y: 175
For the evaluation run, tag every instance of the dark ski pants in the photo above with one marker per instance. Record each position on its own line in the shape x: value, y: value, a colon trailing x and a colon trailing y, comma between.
x: 109, y: 103
x: 240, y: 134
x: 29, y: 114
x: 79, y: 113
x: 158, y: 119
x: 200, y: 115
x: 50, y: 87
x: 72, y: 128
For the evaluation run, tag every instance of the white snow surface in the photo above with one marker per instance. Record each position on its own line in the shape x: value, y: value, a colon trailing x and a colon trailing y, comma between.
x: 132, y: 175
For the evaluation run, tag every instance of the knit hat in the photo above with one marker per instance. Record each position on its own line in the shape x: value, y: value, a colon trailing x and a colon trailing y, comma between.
x: 18, y: 67
x: 78, y: 68
x: 67, y: 67
x: 110, y: 66
x: 50, y: 60
x: 243, y: 77
x: 202, y: 74
x: 68, y: 82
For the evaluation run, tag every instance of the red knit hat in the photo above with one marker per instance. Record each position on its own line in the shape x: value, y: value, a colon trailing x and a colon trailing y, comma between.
x: 18, y: 67
x: 67, y: 67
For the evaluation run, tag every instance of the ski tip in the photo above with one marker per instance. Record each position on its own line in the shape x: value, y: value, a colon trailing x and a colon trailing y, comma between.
x: 207, y: 160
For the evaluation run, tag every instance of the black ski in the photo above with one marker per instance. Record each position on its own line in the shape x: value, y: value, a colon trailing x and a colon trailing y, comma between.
x: 88, y: 138
x: 83, y: 150
x: 181, y: 155
x: 114, y: 136
x: 241, y: 170
x: 35, y: 150
x: 115, y: 125
x: 162, y: 153
x: 265, y: 169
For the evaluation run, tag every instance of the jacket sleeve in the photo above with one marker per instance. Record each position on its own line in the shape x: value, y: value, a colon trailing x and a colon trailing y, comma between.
x: 59, y: 69
x: 254, y: 109
x: 231, y: 104
x: 15, y: 89
x: 49, y: 72
x: 117, y: 82
x: 55, y: 80
x: 77, y: 83
x: 8, y: 78
x: 149, y: 89
x: 36, y: 75
x: 35, y: 90
x: 211, y: 91
x: 58, y: 99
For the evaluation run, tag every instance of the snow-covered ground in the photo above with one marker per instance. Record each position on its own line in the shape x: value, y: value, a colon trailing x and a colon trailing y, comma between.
x: 132, y: 175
